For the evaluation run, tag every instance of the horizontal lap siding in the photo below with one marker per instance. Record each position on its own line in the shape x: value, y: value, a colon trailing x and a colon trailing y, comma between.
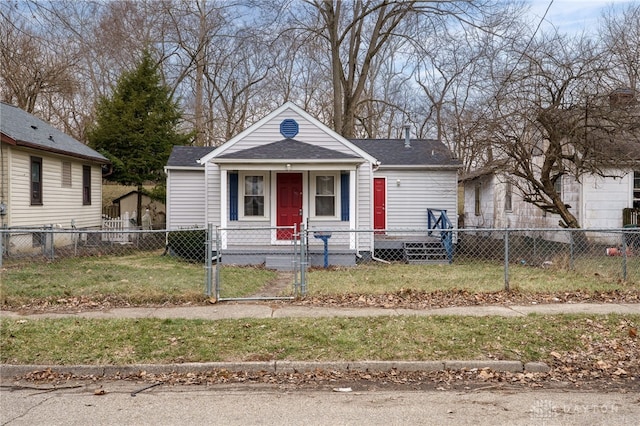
x: 270, y: 132
x: 364, y: 206
x: 604, y: 200
x: 418, y: 191
x: 185, y: 199
x: 61, y: 204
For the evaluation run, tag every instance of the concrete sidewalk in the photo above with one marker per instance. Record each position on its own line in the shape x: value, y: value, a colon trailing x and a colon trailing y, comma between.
x: 239, y: 310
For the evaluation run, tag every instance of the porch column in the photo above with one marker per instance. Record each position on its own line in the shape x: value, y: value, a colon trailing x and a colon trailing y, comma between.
x: 224, y: 214
x: 353, y: 176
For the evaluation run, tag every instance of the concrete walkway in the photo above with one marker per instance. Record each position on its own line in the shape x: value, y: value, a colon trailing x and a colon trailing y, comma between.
x: 263, y: 310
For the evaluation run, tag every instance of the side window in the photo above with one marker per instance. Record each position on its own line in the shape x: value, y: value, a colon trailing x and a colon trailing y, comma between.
x: 86, y: 185
x: 476, y: 200
x: 36, y: 181
x: 557, y: 186
x: 508, y: 197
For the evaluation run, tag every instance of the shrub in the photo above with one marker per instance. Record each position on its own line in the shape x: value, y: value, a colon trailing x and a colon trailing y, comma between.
x: 189, y: 244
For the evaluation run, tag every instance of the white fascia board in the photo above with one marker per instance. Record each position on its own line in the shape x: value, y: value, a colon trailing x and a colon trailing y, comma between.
x: 197, y: 168
x: 282, y: 167
x: 393, y: 167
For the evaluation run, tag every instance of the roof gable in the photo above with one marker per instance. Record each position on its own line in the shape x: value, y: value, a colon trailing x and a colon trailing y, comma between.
x: 20, y: 128
x: 270, y: 128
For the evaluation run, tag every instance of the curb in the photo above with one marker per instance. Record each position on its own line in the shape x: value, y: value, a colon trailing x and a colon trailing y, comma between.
x: 8, y: 372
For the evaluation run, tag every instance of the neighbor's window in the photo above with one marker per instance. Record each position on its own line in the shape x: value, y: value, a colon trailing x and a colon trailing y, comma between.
x: 325, y: 195
x: 508, y: 197
x: 254, y: 195
x: 86, y: 185
x: 66, y: 174
x: 557, y: 186
x: 36, y: 181
x: 476, y: 200
x: 636, y: 190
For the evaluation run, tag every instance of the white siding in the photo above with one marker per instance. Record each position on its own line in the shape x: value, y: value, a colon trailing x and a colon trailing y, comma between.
x: 61, y: 204
x: 604, y: 199
x: 308, y: 133
x: 212, y: 195
x: 410, y: 193
x: 486, y: 216
x: 364, y: 206
x: 4, y: 180
x: 185, y: 201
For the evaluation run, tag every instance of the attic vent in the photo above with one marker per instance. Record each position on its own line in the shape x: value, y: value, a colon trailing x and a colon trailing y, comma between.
x: 34, y: 127
x: 289, y: 128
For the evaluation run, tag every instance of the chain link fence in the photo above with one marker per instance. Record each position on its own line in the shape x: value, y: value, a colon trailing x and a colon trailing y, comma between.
x: 274, y: 263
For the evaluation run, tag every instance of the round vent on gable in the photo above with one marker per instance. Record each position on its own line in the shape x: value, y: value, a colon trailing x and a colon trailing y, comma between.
x: 289, y: 128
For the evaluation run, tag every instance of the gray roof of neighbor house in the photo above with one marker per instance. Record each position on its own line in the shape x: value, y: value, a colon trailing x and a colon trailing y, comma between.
x: 18, y: 127
x: 188, y: 156
x: 421, y: 152
x: 288, y: 149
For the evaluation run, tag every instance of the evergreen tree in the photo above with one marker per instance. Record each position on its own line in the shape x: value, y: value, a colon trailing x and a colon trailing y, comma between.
x: 137, y: 127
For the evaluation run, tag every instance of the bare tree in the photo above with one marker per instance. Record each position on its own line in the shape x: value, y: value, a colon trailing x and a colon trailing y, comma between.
x: 620, y: 34
x: 553, y: 118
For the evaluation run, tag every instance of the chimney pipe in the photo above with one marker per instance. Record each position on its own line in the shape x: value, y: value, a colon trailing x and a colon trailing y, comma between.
x: 407, y: 141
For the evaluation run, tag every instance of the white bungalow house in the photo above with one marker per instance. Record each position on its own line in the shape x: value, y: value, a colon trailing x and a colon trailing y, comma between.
x: 47, y: 178
x: 290, y: 169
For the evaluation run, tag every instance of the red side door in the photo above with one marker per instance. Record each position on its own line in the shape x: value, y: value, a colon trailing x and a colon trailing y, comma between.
x: 379, y: 203
x: 289, y: 203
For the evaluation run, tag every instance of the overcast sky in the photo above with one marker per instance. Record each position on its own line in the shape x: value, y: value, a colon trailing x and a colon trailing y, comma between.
x: 573, y: 15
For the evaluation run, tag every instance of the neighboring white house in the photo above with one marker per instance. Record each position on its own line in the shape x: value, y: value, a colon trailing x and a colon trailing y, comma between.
x: 290, y: 169
x: 492, y: 201
x: 46, y: 177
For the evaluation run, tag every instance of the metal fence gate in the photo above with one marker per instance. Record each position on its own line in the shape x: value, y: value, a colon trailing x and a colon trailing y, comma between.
x: 259, y: 263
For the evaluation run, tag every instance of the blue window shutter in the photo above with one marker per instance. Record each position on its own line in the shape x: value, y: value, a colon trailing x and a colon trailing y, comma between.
x: 344, y: 197
x: 233, y: 196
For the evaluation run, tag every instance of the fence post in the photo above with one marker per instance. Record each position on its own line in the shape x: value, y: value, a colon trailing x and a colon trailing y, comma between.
x: 303, y: 263
x: 296, y: 259
x: 624, y: 257
x: 218, y: 257
x: 208, y: 255
x: 506, y: 259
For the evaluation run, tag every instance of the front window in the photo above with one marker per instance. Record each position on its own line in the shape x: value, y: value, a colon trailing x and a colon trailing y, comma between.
x: 254, y: 196
x: 36, y: 181
x: 325, y: 196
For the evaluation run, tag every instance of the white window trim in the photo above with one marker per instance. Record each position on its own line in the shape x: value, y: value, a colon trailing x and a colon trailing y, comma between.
x: 336, y: 194
x: 266, y: 185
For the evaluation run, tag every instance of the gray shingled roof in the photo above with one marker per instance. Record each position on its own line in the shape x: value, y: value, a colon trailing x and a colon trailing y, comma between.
x: 422, y: 152
x: 188, y: 156
x: 29, y: 131
x: 288, y: 149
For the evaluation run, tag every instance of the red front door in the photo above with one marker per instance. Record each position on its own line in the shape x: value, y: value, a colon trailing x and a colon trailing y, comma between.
x: 289, y: 207
x: 379, y: 203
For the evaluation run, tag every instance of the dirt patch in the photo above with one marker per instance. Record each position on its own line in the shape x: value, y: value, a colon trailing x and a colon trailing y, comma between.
x: 281, y: 285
